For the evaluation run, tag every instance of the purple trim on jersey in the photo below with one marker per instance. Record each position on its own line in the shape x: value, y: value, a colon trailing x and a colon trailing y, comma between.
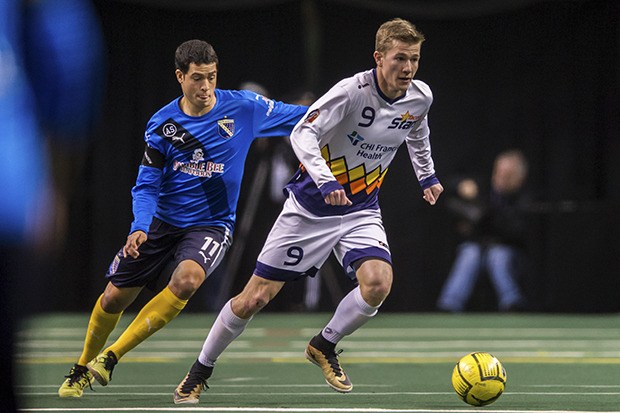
x: 329, y: 187
x: 357, y: 254
x: 428, y: 182
x: 278, y: 274
x: 310, y: 197
x: 387, y: 99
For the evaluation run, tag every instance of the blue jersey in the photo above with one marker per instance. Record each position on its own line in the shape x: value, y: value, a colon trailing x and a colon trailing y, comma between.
x: 193, y: 165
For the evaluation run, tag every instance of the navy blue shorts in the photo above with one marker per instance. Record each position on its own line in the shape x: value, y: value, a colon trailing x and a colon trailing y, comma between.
x: 169, y: 245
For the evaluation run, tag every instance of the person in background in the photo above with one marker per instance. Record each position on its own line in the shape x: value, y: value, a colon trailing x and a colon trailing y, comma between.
x: 51, y: 84
x: 345, y: 145
x: 492, y: 226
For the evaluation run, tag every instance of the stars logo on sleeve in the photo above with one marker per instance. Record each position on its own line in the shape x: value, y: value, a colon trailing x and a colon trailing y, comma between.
x: 226, y: 128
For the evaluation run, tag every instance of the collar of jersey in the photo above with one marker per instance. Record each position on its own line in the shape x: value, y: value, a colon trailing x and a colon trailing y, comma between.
x: 387, y: 99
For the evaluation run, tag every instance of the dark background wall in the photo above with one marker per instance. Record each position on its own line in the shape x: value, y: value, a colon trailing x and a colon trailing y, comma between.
x: 542, y: 76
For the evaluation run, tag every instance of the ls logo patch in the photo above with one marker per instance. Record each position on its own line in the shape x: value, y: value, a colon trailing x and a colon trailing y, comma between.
x: 176, y: 134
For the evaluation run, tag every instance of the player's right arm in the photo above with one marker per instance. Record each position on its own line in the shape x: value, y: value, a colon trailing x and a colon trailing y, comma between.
x: 309, y: 136
x: 145, y: 194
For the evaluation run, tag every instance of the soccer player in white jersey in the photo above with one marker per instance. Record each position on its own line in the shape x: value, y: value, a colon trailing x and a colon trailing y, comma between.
x: 345, y: 144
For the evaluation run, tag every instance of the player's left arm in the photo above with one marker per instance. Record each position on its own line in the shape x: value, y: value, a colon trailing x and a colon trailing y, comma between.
x: 274, y: 118
x: 419, y: 147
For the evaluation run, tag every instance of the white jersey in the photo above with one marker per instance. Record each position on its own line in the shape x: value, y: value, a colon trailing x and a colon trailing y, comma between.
x: 351, y: 135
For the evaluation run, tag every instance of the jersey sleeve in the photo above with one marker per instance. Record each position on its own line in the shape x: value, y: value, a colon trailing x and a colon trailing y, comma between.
x: 419, y: 147
x: 146, y: 191
x: 308, y: 137
x: 144, y: 195
x: 274, y: 118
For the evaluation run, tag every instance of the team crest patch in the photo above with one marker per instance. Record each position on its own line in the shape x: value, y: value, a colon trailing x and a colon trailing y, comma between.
x: 312, y: 116
x: 226, y: 128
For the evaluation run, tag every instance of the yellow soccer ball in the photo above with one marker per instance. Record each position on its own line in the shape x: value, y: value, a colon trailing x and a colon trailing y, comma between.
x: 479, y: 379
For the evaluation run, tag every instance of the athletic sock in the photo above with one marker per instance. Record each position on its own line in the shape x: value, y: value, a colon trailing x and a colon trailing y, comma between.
x: 225, y: 329
x: 100, y: 325
x: 158, y: 312
x: 352, y: 313
x: 198, y: 369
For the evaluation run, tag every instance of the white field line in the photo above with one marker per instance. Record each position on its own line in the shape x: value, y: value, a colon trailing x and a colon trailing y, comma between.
x: 354, y: 345
x: 369, y: 332
x: 215, y: 393
x: 350, y: 356
x: 248, y: 385
x: 295, y: 410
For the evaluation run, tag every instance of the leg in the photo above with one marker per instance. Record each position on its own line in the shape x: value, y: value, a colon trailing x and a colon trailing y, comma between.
x: 162, y: 308
x: 158, y: 312
x: 104, y: 317
x: 235, y: 315
x: 462, y: 278
x: 230, y: 323
x: 500, y: 263
x: 355, y: 309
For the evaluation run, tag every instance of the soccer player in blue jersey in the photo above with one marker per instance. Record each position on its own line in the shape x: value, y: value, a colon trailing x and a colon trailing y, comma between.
x: 184, y: 204
x: 345, y: 145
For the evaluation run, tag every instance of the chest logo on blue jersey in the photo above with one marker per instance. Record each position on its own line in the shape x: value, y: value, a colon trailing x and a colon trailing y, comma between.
x: 198, y: 167
x: 226, y: 128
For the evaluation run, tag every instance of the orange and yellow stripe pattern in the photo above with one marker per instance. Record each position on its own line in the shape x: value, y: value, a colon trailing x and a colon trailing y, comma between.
x: 357, y: 178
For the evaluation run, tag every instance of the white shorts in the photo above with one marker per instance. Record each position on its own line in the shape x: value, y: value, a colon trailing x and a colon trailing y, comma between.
x: 300, y: 242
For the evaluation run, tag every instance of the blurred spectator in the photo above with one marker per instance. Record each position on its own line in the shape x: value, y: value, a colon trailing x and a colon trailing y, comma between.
x: 492, y: 228
x: 50, y: 82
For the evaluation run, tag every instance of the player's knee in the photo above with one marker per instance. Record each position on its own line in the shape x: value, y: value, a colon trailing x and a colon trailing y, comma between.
x: 112, y: 304
x: 374, y: 293
x: 249, y: 304
x: 377, y: 287
x: 257, y: 301
x: 116, y: 299
x: 187, y: 278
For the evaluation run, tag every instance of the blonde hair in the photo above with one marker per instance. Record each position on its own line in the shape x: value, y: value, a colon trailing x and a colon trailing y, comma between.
x: 397, y: 29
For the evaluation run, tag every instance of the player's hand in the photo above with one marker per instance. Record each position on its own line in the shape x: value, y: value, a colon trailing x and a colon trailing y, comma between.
x: 338, y: 197
x: 134, y: 240
x: 432, y: 194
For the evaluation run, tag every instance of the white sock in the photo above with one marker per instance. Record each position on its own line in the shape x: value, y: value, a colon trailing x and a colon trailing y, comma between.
x: 352, y: 313
x: 226, y: 328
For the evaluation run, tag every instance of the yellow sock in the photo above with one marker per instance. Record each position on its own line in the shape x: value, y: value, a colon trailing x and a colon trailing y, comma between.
x: 100, y: 326
x: 154, y: 315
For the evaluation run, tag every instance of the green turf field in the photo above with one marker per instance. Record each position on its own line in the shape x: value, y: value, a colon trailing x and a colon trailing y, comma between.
x: 397, y: 363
